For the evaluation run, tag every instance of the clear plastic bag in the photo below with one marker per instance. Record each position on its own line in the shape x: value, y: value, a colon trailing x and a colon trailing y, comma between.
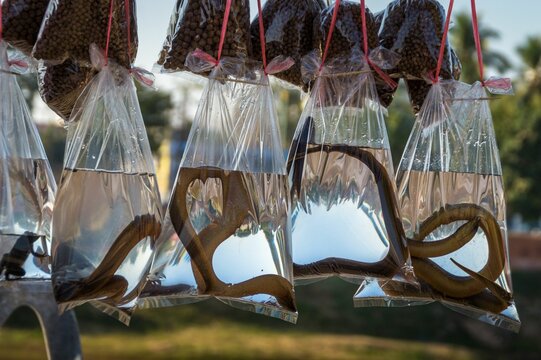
x: 451, y: 198
x: 108, y: 210
x: 71, y: 26
x: 288, y: 32
x: 21, y: 20
x: 197, y: 24
x: 61, y: 85
x: 413, y: 29
x: 227, y: 226
x: 27, y: 185
x: 344, y: 220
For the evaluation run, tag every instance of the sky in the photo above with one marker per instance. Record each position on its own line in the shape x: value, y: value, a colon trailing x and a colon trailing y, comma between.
x: 515, y: 20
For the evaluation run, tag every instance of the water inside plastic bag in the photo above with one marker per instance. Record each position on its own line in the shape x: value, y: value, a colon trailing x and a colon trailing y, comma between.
x: 339, y: 216
x: 106, y: 224
x: 26, y: 205
x: 235, y: 229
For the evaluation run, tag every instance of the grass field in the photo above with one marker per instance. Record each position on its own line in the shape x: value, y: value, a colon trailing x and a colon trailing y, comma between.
x: 328, y: 328
x: 231, y: 341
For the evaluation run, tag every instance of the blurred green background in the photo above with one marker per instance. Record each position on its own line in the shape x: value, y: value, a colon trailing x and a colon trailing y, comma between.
x: 329, y: 327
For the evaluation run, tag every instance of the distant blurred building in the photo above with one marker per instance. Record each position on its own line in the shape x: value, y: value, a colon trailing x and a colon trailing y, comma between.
x: 162, y: 170
x: 525, y: 250
x: 517, y: 223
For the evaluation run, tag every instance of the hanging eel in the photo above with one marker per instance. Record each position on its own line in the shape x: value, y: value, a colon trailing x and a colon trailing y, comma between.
x: 201, y: 246
x: 102, y: 284
x: 438, y: 278
x: 479, y: 286
x: 484, y: 300
x: 397, y: 255
x: 426, y: 270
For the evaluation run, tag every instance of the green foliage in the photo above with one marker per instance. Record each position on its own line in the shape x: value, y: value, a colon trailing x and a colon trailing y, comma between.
x: 399, y: 123
x: 289, y: 108
x: 155, y: 107
x: 464, y: 45
x: 54, y: 140
x: 517, y: 120
x: 530, y: 51
x: 29, y: 86
x: 522, y: 155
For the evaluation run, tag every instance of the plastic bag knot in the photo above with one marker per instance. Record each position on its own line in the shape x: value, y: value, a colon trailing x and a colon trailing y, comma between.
x: 498, y: 86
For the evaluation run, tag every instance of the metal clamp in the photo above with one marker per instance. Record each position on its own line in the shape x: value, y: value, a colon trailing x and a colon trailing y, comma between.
x: 60, y: 332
